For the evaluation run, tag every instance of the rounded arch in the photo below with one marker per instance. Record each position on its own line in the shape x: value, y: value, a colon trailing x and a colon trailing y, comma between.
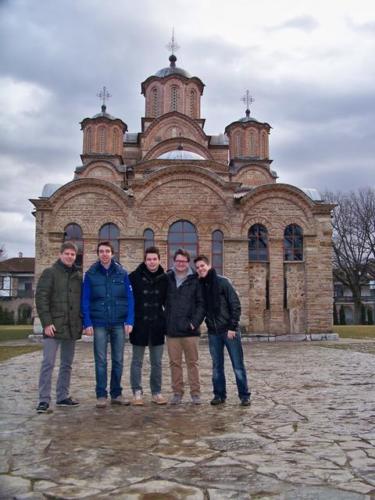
x: 174, y: 143
x: 182, y: 234
x: 293, y: 242
x: 149, y: 237
x: 73, y: 232
x: 217, y: 250
x: 258, y: 242
x: 176, y: 116
x: 110, y: 232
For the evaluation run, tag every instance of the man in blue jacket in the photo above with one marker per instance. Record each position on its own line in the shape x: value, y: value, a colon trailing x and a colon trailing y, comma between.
x: 108, y: 314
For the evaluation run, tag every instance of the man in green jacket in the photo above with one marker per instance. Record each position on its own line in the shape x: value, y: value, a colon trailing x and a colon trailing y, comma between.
x: 58, y: 298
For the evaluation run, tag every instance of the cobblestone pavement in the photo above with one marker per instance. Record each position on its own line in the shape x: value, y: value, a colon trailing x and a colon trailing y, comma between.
x: 309, y: 433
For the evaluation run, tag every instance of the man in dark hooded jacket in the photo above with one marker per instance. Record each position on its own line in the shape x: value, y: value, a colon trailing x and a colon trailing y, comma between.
x: 149, y: 283
x: 223, y: 311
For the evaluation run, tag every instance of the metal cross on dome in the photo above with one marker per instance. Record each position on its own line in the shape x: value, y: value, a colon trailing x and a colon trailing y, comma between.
x: 172, y: 46
x: 247, y: 99
x: 103, y: 95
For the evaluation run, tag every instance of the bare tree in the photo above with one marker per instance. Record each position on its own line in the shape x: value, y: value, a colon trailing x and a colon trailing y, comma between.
x: 353, y: 240
x: 3, y: 252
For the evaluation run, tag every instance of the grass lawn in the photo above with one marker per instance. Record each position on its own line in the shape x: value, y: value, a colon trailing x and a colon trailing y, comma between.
x: 15, y: 332
x: 7, y: 352
x: 355, y: 331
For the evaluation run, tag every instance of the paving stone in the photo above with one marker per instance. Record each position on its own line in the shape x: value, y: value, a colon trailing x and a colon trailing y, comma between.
x: 309, y: 434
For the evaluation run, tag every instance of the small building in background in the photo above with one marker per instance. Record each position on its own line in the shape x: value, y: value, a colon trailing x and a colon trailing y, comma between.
x: 16, y: 290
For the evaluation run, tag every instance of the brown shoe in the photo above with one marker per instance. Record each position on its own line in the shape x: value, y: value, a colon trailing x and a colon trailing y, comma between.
x: 138, y: 399
x: 101, y: 403
x: 120, y: 400
x: 159, y: 399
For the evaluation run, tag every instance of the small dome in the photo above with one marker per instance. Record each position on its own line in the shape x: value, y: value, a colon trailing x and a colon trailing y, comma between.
x: 172, y: 69
x: 49, y: 189
x: 180, y: 154
x: 247, y: 118
x: 104, y: 114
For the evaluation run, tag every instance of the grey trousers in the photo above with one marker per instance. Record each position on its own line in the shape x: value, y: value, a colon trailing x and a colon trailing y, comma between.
x: 50, y: 347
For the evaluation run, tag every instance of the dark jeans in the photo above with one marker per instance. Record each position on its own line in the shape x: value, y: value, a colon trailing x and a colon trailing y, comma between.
x: 234, y: 347
x: 116, y: 337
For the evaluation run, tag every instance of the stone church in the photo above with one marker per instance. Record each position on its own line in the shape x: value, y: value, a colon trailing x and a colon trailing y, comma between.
x: 173, y: 185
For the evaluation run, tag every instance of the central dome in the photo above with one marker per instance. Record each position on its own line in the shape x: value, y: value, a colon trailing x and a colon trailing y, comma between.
x: 180, y: 154
x: 172, y: 69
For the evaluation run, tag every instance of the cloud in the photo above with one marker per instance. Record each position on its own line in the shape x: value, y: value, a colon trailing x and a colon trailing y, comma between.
x: 305, y: 23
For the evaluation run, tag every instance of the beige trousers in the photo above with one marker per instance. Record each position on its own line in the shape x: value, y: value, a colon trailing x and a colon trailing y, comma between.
x: 188, y: 346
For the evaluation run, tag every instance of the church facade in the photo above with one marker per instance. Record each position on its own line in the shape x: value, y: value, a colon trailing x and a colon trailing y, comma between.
x: 172, y: 185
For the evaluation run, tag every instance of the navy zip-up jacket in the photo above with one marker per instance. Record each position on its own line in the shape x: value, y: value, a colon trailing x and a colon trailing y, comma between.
x: 107, y: 296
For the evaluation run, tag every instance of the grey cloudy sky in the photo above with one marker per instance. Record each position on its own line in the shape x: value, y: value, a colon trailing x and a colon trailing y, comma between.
x: 308, y: 63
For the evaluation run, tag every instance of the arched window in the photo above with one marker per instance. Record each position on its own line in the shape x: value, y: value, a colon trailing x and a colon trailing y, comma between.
x: 102, y: 139
x: 193, y: 103
x: 237, y: 144
x: 293, y: 242
x: 110, y: 232
x: 88, y: 148
x: 73, y: 233
x: 149, y: 237
x: 258, y: 242
x: 154, y: 102
x: 217, y: 251
x: 264, y: 145
x: 115, y: 141
x: 182, y: 234
x: 253, y: 143
x: 174, y: 98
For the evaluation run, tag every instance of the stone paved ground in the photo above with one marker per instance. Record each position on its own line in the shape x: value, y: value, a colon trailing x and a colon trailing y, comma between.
x: 309, y: 434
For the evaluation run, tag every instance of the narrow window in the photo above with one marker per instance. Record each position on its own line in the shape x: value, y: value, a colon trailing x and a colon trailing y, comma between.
x: 182, y: 234
x: 217, y: 251
x: 154, y: 102
x: 293, y: 243
x: 193, y: 103
x: 174, y: 98
x: 110, y: 232
x: 258, y: 243
x: 73, y: 233
x: 149, y: 237
x: 102, y: 132
x: 88, y: 140
x: 115, y: 143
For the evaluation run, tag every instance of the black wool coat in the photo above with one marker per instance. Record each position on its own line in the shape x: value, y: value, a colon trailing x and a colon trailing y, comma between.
x: 150, y: 292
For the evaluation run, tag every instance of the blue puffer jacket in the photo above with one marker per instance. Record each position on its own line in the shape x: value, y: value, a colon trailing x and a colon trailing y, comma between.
x: 107, y: 297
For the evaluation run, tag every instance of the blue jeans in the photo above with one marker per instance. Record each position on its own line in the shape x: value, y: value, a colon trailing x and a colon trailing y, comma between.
x: 156, y: 354
x: 234, y: 346
x: 116, y: 336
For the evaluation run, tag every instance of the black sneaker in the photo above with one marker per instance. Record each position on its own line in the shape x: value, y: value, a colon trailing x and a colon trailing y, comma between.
x: 245, y: 402
x: 217, y: 401
x: 67, y: 402
x: 42, y: 407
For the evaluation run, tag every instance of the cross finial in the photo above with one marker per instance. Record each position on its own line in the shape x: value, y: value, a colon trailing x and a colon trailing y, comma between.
x: 247, y: 99
x: 103, y: 95
x: 172, y: 46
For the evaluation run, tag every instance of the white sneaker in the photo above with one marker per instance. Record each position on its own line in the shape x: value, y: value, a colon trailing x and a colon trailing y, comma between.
x: 159, y: 399
x: 138, y: 399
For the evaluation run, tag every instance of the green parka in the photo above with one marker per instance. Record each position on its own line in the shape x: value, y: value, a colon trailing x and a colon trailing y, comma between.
x: 58, y: 300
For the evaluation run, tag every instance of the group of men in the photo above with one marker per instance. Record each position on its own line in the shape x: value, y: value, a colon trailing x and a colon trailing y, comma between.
x: 148, y: 305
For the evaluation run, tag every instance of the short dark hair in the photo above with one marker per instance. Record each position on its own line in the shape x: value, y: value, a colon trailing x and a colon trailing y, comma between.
x: 68, y: 245
x: 105, y: 244
x: 152, y: 250
x: 183, y: 252
x: 202, y: 257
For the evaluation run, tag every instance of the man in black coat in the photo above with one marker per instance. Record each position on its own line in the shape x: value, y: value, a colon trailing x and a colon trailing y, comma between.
x: 149, y: 283
x: 223, y: 311
x: 185, y: 313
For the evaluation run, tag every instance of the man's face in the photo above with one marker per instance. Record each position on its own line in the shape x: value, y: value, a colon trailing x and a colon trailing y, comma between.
x: 181, y: 264
x: 202, y: 268
x: 152, y: 262
x: 68, y: 257
x: 105, y: 255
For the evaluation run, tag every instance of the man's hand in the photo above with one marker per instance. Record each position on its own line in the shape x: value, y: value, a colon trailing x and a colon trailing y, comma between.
x: 231, y: 334
x: 50, y: 330
x: 128, y: 329
x: 89, y: 331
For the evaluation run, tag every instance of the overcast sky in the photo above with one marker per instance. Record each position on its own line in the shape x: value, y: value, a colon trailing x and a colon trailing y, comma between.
x: 308, y: 64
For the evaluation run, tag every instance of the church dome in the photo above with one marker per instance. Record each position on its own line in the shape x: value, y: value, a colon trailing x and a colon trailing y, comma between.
x: 104, y: 114
x: 180, y: 154
x: 172, y: 69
